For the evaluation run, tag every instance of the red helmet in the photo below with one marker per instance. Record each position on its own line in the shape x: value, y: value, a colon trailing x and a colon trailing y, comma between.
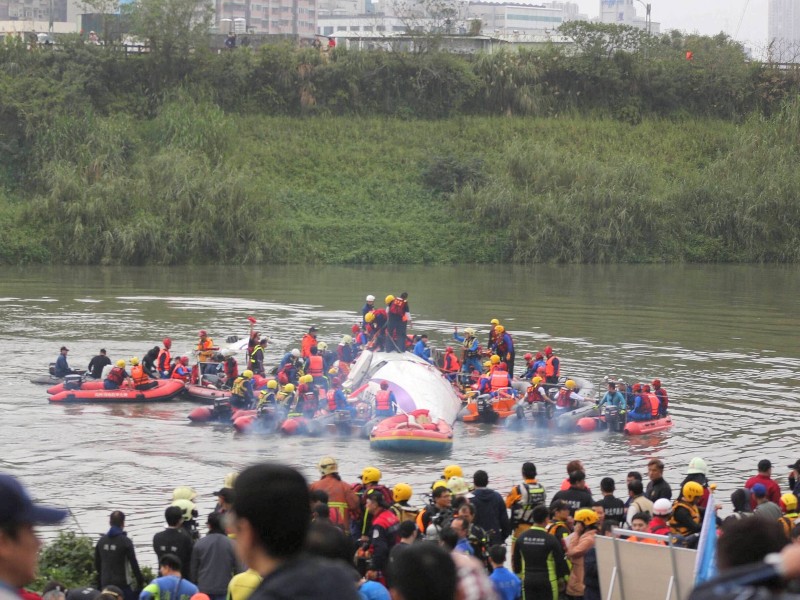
x: 539, y: 355
x: 646, y: 388
x: 528, y: 356
x: 384, y: 385
x: 184, y: 360
x: 203, y: 333
x: 355, y: 329
x: 448, y: 349
x: 503, y: 366
x: 336, y: 381
x: 637, y: 387
x: 548, y: 350
x: 283, y: 378
x: 167, y: 343
x: 656, y: 383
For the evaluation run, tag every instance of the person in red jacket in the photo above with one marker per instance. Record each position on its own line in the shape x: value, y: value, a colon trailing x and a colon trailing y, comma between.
x: 383, y: 535
x: 764, y: 477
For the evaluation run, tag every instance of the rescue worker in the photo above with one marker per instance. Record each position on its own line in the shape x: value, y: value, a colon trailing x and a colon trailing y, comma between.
x: 450, y: 364
x: 579, y: 542
x: 788, y: 505
x: 612, y: 397
x: 385, y: 402
x: 230, y: 368
x: 286, y: 397
x: 382, y: 535
x: 290, y: 364
x: 376, y: 328
x: 328, y: 358
x: 534, y: 395
x: 337, y: 399
x: 662, y: 511
x: 685, y: 518
x: 164, y: 359
x: 341, y: 498
x: 522, y: 499
x: 530, y: 370
x: 538, y: 559
x: 97, y: 363
x: 439, y: 511
x: 663, y: 399
x: 242, y: 391
x: 309, y: 340
x: 504, y: 347
x: 117, y: 376
x: 140, y: 379
x: 397, y: 317
x: 345, y: 351
x: 205, y: 349
x: 370, y: 481
x: 568, y: 396
x: 477, y: 537
x: 539, y: 365
x: 645, y: 405
x: 149, y: 362
x: 256, y: 362
x: 267, y: 396
x: 369, y: 306
x: 401, y: 493
x: 181, y: 370
x: 560, y: 516
x: 470, y: 360
x: 500, y: 379
x: 421, y: 349
x: 492, y: 339
x: 315, y: 366
x: 552, y: 367
x: 61, y: 368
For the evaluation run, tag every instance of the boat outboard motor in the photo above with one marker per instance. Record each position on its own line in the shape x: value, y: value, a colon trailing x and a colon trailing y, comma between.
x: 341, y: 419
x: 486, y: 409
x: 72, y: 382
x: 614, y: 420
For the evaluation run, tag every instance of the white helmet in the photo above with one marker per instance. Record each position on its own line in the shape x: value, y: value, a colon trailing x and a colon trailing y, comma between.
x: 322, y: 346
x: 370, y: 298
x: 295, y: 352
x: 662, y: 507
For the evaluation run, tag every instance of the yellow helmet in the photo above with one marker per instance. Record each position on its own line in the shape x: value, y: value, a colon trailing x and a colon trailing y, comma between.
x: 402, y: 492
x: 370, y: 475
x: 184, y: 492
x: 328, y: 465
x: 494, y: 322
x: 499, y: 329
x: 134, y: 361
x: 247, y: 374
x: 369, y: 317
x: 230, y: 479
x: 789, y: 501
x: 692, y: 490
x: 536, y: 380
x: 452, y: 471
x: 347, y: 339
x: 307, y: 379
x: 389, y: 299
x: 586, y: 516
x: 570, y: 384
x: 288, y: 388
x: 495, y: 360
x: 438, y: 484
x: 272, y: 384
x: 121, y: 363
x: 187, y: 506
x: 470, y: 331
x: 487, y: 364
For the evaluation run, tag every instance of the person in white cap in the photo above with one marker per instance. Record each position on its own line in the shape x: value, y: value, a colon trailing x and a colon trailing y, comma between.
x: 369, y: 306
x: 19, y: 543
x: 471, y: 360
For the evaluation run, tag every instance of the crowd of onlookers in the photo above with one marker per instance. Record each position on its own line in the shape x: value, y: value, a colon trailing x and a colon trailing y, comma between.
x: 272, y: 535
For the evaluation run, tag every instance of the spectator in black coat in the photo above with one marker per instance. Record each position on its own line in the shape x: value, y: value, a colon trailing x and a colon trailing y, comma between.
x: 491, y: 513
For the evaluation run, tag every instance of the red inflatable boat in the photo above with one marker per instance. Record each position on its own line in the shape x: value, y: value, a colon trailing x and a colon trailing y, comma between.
x: 93, y: 391
x: 205, y: 394
x: 643, y: 427
x: 412, y: 432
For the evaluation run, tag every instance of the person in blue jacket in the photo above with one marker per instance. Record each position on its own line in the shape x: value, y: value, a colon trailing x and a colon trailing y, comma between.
x: 62, y: 368
x: 613, y: 397
x: 421, y: 349
x: 507, y: 585
x: 472, y: 354
x: 171, y: 585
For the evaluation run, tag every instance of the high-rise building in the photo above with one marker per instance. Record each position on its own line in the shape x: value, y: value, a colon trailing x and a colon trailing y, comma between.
x: 291, y: 17
x: 624, y: 12
x: 783, y: 30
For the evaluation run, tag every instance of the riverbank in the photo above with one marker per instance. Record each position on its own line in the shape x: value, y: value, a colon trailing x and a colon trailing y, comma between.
x: 196, y: 185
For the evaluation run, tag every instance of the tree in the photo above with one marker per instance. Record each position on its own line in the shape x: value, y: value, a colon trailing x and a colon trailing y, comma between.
x: 173, y: 28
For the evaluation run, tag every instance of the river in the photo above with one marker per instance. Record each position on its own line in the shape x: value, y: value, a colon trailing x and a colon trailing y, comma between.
x: 723, y: 339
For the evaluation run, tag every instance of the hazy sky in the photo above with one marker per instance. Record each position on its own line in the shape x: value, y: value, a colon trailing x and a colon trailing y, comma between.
x: 707, y: 17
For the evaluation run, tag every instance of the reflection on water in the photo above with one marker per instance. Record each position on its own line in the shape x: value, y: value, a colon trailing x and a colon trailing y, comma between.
x: 721, y: 338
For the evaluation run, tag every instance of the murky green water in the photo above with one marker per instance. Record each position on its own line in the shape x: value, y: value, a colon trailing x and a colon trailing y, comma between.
x: 723, y: 339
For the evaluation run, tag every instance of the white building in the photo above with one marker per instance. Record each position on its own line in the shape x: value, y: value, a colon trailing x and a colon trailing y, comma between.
x: 783, y: 30
x: 624, y: 12
x: 496, y: 17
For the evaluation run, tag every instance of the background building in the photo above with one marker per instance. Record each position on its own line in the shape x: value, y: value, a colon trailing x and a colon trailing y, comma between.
x: 783, y: 30
x: 624, y: 12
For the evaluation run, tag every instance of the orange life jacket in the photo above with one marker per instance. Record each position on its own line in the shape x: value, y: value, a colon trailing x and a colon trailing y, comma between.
x: 499, y: 380
x: 117, y: 375
x: 564, y: 400
x: 331, y: 400
x: 163, y: 360
x: 397, y: 307
x: 550, y: 367
x: 451, y: 363
x: 138, y: 375
x: 204, y: 348
x: 382, y: 401
x: 534, y: 395
x: 653, y: 400
x: 316, y: 366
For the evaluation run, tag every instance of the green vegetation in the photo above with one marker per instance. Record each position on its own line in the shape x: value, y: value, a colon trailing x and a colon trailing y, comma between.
x: 625, y: 151
x: 69, y: 559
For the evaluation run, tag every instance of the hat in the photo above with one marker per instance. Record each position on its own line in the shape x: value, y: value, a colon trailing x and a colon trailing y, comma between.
x: 697, y: 466
x: 16, y: 506
x: 225, y: 493
x: 51, y: 586
x: 312, y: 328
x: 764, y: 465
x: 458, y: 487
x: 64, y: 348
x: 83, y: 593
x: 796, y: 465
x: 759, y: 490
x: 113, y: 591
